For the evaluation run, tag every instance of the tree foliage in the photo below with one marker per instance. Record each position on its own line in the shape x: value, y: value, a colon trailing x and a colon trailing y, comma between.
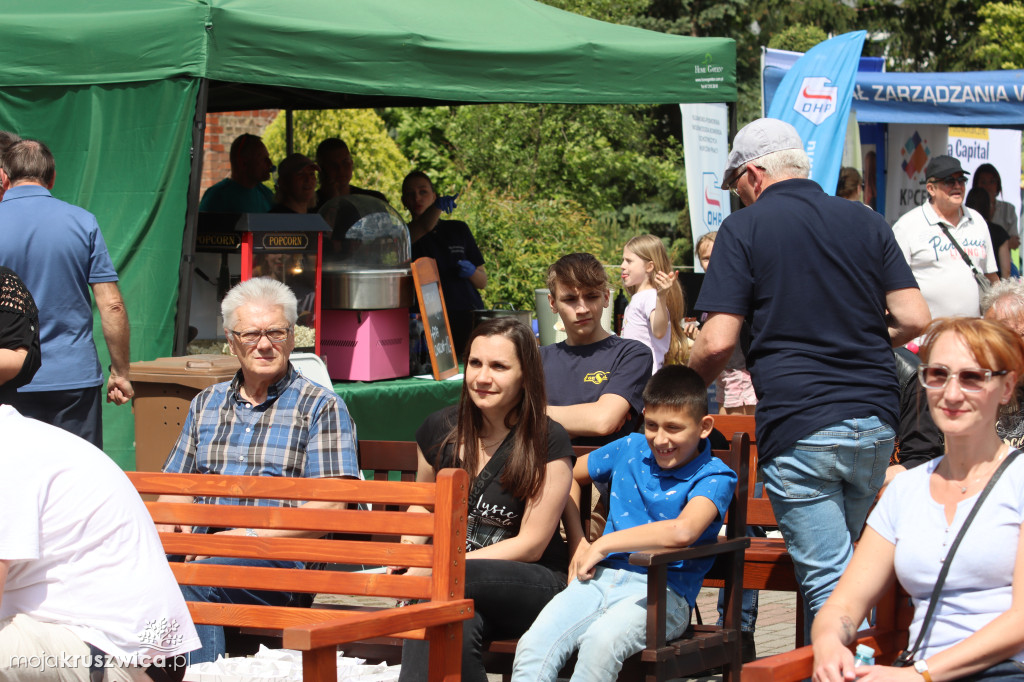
x: 520, y: 238
x: 798, y: 38
x: 926, y: 35
x: 1003, y: 35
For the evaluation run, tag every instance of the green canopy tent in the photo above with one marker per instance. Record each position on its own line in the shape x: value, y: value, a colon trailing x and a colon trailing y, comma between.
x: 119, y: 90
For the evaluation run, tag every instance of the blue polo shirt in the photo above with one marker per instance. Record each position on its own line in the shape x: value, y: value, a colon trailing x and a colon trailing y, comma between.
x: 643, y: 492
x: 58, y: 251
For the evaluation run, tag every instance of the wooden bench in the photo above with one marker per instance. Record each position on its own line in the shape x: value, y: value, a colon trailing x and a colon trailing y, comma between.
x: 893, y: 615
x: 701, y: 648
x: 318, y: 632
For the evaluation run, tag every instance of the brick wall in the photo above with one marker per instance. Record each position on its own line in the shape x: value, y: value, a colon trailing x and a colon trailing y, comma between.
x: 221, y: 130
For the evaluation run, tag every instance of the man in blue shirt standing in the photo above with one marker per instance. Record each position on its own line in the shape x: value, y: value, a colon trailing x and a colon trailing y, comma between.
x: 59, y: 252
x: 827, y: 293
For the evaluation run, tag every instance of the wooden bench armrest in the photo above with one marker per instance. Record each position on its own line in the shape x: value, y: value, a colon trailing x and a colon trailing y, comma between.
x: 798, y: 664
x: 377, y: 624
x: 667, y: 556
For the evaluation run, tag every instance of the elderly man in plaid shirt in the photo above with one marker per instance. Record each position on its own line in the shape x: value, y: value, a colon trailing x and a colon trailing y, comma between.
x: 269, y: 420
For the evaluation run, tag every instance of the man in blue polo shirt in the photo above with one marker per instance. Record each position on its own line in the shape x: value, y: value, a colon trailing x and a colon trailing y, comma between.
x: 815, y: 275
x: 59, y: 252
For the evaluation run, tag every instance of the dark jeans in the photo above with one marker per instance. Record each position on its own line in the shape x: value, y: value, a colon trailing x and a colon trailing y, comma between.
x: 76, y: 410
x: 1007, y: 670
x: 507, y: 596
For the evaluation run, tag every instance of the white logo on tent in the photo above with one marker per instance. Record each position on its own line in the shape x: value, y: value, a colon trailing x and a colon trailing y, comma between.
x: 816, y: 100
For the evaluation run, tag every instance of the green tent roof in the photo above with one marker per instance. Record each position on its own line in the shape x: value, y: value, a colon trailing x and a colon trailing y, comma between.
x: 327, y: 53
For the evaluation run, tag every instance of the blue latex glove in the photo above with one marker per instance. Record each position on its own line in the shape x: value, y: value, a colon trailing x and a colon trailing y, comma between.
x: 466, y: 269
x: 447, y: 203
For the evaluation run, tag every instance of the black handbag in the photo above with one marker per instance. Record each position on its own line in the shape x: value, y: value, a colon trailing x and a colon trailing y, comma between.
x: 906, y: 657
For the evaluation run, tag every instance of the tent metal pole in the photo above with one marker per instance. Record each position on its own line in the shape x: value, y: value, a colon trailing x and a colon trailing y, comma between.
x: 289, y: 132
x: 188, y: 239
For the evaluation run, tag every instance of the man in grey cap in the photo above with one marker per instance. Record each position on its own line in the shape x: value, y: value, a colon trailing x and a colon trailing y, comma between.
x: 815, y: 275
x: 933, y: 235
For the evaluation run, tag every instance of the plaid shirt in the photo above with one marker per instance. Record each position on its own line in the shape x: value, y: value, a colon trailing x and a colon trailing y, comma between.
x: 301, y: 430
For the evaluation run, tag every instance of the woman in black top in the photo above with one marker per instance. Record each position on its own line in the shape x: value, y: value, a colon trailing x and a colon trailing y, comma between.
x: 460, y: 265
x: 522, y: 461
x: 978, y: 199
x: 19, y: 335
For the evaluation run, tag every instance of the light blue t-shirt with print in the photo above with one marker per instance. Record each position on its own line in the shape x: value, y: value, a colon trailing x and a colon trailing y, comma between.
x: 642, y: 492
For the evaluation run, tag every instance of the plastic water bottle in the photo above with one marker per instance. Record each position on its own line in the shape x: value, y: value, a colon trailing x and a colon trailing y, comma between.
x: 865, y: 655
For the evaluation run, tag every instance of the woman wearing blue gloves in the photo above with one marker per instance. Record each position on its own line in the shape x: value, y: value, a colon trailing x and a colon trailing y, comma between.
x: 450, y: 243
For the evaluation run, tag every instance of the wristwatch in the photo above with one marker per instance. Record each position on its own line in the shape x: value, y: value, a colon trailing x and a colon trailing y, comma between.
x: 922, y: 668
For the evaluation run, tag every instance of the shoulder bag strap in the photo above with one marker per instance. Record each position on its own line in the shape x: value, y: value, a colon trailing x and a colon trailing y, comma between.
x: 933, y: 601
x: 963, y: 254
x: 491, y: 470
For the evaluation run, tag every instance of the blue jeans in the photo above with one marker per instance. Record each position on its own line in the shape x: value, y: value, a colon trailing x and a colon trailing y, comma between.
x: 605, y: 617
x: 212, y: 636
x: 821, y: 489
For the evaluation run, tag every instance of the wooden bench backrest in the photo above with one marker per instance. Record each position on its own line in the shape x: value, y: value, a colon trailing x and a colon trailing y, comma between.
x: 445, y: 528
x: 737, y: 518
x: 759, y: 509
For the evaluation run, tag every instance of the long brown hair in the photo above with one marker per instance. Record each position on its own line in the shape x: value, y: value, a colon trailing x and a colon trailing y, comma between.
x: 652, y: 249
x: 523, y: 474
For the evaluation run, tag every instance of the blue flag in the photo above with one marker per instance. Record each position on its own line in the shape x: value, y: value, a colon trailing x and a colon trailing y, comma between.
x: 815, y: 97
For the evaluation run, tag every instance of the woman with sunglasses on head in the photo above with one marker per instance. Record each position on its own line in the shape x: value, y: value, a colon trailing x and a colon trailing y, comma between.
x: 520, y: 467
x: 970, y: 370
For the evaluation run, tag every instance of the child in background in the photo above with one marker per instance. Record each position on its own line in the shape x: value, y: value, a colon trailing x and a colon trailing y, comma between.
x: 655, y: 312
x: 667, y: 491
x: 733, y: 385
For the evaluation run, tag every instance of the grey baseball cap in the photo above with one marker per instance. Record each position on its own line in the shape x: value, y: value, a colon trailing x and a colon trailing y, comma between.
x: 757, y: 139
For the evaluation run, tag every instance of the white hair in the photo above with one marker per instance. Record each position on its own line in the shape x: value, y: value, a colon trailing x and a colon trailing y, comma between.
x: 261, y: 290
x: 1008, y: 295
x: 786, y: 163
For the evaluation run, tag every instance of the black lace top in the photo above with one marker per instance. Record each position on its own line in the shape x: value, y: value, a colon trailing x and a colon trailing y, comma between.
x: 19, y: 328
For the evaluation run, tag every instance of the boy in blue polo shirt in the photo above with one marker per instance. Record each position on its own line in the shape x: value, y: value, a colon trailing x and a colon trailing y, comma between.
x: 667, y: 491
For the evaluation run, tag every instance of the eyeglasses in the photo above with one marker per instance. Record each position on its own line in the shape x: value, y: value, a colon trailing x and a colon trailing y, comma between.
x: 732, y: 185
x: 936, y: 377
x: 949, y: 182
x: 251, y: 338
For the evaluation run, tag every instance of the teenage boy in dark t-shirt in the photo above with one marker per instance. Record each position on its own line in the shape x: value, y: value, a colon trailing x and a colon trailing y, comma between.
x: 594, y: 379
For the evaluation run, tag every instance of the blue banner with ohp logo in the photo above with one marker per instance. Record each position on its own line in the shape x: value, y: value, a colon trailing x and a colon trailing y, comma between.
x: 815, y: 96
